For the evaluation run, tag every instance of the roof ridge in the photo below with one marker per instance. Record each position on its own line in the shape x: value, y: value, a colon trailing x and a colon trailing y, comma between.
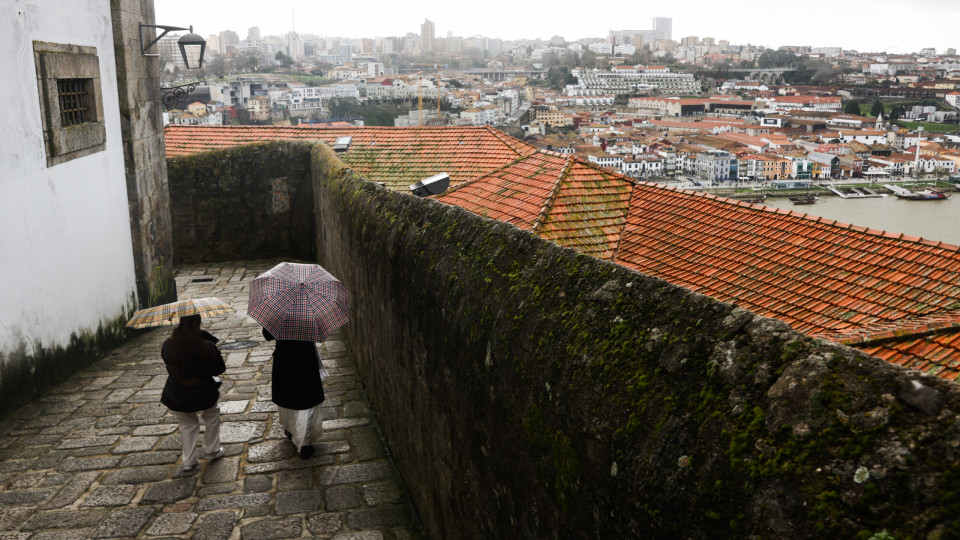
x: 898, y: 330
x: 626, y: 221
x: 503, y: 137
x: 552, y: 198
x: 477, y: 178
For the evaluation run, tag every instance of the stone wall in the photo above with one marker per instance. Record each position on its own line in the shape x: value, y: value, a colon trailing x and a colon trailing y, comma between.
x: 138, y: 83
x: 528, y: 391
x: 252, y: 202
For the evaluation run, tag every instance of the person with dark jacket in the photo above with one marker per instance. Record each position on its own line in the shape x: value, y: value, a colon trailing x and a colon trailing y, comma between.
x: 193, y: 361
x: 298, y: 391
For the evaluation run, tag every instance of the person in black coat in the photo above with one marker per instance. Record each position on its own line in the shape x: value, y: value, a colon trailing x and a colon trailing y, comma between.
x: 193, y: 360
x: 298, y: 391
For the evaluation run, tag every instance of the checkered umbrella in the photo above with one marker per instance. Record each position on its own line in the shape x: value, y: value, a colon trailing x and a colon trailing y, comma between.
x: 299, y: 301
x: 168, y: 314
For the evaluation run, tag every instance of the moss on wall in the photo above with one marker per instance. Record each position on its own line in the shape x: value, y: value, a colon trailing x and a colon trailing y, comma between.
x: 249, y: 202
x: 31, y: 369
x: 530, y: 391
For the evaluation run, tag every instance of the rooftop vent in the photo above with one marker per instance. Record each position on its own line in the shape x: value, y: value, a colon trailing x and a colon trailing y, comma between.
x: 342, y: 144
x: 434, y: 185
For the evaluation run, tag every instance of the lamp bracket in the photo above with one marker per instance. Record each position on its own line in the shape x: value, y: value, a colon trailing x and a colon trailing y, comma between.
x: 166, y: 29
x: 173, y: 96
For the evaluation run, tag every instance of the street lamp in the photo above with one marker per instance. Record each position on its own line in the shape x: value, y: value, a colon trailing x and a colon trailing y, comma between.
x: 190, y: 44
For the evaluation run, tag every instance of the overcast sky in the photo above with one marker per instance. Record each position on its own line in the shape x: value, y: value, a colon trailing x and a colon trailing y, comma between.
x: 866, y: 25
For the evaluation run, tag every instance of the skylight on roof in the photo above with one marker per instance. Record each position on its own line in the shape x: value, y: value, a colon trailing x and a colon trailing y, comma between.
x: 342, y: 144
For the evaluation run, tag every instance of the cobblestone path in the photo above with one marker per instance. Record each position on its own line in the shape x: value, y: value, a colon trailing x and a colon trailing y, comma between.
x: 99, y: 457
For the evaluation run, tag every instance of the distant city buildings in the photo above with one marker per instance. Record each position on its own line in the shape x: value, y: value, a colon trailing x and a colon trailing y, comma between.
x: 427, y: 31
x: 732, y: 120
x: 634, y: 80
x: 662, y: 30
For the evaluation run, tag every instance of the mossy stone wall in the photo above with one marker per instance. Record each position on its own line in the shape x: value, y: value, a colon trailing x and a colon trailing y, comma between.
x: 249, y: 202
x: 528, y: 391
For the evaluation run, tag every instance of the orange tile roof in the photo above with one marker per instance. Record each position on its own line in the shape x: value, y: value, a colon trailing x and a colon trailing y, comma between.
x: 396, y: 156
x: 561, y: 198
x: 822, y: 277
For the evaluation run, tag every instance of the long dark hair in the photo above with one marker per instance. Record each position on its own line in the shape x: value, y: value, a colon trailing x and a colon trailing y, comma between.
x: 187, y: 344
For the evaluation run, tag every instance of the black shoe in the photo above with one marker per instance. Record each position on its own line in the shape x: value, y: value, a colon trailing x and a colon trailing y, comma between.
x: 307, y: 452
x: 288, y: 434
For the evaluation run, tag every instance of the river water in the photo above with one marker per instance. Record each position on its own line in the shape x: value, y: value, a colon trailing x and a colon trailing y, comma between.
x: 933, y: 220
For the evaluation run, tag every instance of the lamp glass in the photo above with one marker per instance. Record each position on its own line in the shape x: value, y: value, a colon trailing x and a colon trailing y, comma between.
x: 192, y: 47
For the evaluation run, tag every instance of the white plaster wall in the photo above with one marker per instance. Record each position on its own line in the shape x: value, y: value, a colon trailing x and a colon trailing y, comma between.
x: 66, y: 260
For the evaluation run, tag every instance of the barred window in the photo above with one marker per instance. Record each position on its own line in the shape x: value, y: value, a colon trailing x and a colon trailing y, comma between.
x: 71, y: 101
x: 72, y: 96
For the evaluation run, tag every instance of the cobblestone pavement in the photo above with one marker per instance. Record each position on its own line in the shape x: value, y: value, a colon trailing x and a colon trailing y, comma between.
x: 99, y: 457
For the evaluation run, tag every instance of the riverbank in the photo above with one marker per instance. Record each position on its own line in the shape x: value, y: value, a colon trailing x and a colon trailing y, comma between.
x: 852, y: 188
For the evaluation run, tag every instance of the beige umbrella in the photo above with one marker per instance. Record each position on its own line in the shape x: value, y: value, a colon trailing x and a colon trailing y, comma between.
x: 168, y: 314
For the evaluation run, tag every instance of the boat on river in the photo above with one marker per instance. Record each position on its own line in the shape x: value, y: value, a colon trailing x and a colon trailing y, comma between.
x: 752, y: 200
x: 925, y: 195
x: 804, y: 199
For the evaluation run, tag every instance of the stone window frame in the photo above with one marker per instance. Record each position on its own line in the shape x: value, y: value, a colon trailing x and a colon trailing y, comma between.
x: 55, y: 61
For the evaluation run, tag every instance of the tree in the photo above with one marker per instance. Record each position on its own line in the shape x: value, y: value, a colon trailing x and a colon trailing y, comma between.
x: 560, y: 76
x: 283, y: 58
x: 897, y: 112
x: 852, y: 107
x: 774, y: 59
x: 877, y: 108
x: 588, y: 59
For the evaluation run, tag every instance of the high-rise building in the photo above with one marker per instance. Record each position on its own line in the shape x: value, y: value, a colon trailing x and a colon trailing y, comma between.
x: 427, y: 35
x: 663, y: 25
x: 662, y: 30
x: 253, y: 33
x: 294, y: 46
x: 228, y: 38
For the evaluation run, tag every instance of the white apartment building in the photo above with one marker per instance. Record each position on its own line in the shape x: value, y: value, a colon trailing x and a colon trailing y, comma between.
x: 715, y: 166
x: 191, y: 119
x: 642, y: 166
x: 294, y: 46
x: 346, y: 89
x: 805, y: 103
x: 296, y: 98
x: 483, y: 115
x: 635, y: 79
x: 588, y: 101
x: 603, y: 159
x: 933, y: 164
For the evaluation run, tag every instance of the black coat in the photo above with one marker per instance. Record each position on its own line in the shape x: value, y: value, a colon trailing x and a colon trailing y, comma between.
x: 190, y: 386
x: 296, y: 374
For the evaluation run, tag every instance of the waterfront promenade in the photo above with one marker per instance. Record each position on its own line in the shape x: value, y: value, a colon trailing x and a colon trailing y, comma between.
x: 98, y: 456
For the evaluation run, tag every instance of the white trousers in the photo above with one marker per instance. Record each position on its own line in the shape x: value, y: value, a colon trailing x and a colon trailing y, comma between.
x: 190, y: 432
x: 306, y: 426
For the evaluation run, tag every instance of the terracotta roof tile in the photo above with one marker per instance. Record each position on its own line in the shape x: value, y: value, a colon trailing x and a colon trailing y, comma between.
x: 828, y: 277
x: 397, y: 157
x: 562, y: 199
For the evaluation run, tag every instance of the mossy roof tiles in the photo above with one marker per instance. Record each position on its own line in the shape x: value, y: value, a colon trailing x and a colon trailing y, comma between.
x: 825, y: 278
x: 397, y: 157
x: 561, y: 198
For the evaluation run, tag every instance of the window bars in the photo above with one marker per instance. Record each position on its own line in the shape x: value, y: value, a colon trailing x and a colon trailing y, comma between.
x: 71, y: 94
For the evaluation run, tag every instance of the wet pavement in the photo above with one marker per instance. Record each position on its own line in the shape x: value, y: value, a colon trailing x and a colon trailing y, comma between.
x: 98, y: 456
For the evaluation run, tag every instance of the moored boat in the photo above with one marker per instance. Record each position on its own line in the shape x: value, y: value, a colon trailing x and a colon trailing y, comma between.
x: 925, y: 195
x: 752, y: 200
x: 804, y: 199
